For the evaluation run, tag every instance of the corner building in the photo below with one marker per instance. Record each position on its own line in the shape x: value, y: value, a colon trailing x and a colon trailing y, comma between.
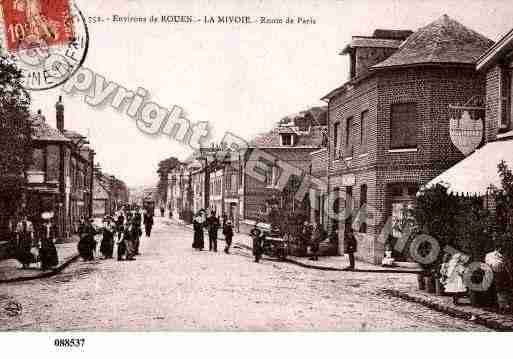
x: 389, y: 124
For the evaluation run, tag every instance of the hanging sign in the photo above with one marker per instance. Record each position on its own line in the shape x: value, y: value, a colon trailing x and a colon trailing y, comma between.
x: 466, y: 128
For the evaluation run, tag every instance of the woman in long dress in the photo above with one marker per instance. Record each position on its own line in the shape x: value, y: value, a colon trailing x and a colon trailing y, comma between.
x: 47, y: 236
x: 87, y: 243
x: 24, y: 237
x: 199, y: 237
x: 107, y: 246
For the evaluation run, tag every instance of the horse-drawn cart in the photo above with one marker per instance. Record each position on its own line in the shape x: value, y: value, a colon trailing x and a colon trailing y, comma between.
x: 273, y: 244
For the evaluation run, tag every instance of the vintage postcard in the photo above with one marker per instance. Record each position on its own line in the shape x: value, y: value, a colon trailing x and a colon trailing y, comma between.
x: 308, y: 166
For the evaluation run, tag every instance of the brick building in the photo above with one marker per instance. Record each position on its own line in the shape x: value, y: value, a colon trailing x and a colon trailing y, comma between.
x: 288, y: 142
x: 109, y: 194
x: 389, y: 124
x: 497, y: 63
x: 60, y: 177
x: 478, y: 172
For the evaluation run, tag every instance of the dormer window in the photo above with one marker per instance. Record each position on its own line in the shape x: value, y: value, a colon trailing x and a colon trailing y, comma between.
x: 287, y: 139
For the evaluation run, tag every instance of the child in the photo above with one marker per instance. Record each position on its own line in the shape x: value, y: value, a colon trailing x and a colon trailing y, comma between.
x: 388, y: 260
x: 452, y: 276
x: 316, y: 239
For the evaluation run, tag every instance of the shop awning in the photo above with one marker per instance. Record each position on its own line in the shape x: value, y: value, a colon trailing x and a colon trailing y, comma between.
x: 475, y: 174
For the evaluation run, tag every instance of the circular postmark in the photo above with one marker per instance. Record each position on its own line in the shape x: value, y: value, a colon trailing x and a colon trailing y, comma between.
x: 48, y: 40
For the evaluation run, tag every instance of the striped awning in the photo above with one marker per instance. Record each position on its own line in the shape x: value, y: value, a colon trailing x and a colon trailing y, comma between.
x: 475, y: 174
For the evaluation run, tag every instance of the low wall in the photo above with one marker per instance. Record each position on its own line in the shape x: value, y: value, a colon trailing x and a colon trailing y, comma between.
x: 4, y: 250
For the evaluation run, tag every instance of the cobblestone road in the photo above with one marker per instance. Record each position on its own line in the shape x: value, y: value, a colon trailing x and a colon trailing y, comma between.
x: 170, y: 287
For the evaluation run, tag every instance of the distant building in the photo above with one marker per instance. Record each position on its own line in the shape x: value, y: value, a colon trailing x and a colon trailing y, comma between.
x: 289, y: 143
x: 109, y: 194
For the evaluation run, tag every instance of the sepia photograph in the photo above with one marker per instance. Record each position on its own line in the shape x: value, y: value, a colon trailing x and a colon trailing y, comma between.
x: 266, y: 166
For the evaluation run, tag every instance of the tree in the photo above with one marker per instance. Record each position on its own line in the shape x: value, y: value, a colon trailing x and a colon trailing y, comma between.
x: 504, y: 205
x: 15, y: 127
x: 164, y: 167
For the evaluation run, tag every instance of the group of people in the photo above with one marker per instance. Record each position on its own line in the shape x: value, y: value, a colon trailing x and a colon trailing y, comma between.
x: 124, y: 231
x: 33, y: 244
x: 212, y: 224
x: 454, y: 267
x: 310, y: 237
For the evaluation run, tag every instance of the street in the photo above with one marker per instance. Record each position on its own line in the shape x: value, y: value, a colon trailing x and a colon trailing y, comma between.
x: 172, y: 287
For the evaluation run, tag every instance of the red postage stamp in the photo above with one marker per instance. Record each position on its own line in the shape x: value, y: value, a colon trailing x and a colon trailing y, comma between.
x: 47, y: 20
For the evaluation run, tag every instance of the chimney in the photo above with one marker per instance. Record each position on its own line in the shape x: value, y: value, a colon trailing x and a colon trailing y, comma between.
x: 59, y: 114
x: 39, y: 118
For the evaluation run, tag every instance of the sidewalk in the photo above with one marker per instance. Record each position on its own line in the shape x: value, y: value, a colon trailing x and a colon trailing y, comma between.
x: 444, y: 304
x: 331, y: 263
x: 10, y: 269
x: 406, y: 290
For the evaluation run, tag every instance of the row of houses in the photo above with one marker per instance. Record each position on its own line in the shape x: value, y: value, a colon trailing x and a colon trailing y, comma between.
x: 62, y: 178
x: 110, y: 194
x: 217, y: 180
x: 412, y: 108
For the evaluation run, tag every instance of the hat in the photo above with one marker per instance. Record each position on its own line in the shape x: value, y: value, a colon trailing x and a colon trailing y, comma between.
x: 47, y: 215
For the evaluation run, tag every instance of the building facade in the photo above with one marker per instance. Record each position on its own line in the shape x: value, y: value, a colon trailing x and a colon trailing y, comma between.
x: 60, y: 177
x: 389, y: 124
x: 286, y: 144
x: 497, y: 64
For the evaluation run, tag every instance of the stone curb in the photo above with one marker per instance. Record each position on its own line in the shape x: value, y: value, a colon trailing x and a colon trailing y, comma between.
x: 336, y: 269
x: 486, y: 319
x: 324, y: 268
x: 42, y: 275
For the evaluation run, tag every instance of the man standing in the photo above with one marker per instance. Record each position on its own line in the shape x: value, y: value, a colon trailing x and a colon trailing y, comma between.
x: 258, y: 237
x: 148, y: 223
x: 120, y: 221
x: 228, y: 235
x: 213, y: 226
x: 129, y: 237
x: 350, y: 245
x: 316, y: 238
x: 137, y: 231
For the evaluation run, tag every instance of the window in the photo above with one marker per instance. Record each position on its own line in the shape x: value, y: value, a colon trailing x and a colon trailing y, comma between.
x: 336, y: 208
x: 349, y: 132
x: 336, y: 131
x: 38, y: 160
x: 233, y: 185
x: 286, y: 139
x: 349, y: 205
x: 363, y: 203
x: 505, y: 94
x: 403, y: 126
x: 269, y: 176
x: 364, y: 131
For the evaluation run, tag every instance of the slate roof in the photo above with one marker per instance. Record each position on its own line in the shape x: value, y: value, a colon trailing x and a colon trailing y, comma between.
x: 365, y: 41
x: 272, y: 139
x: 42, y: 131
x: 497, y: 52
x: 443, y: 41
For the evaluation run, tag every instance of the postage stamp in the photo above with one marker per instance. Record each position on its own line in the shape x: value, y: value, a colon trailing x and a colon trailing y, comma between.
x: 41, y: 19
x: 48, y: 39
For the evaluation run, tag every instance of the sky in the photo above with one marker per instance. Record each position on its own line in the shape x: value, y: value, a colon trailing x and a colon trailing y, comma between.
x: 239, y: 78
